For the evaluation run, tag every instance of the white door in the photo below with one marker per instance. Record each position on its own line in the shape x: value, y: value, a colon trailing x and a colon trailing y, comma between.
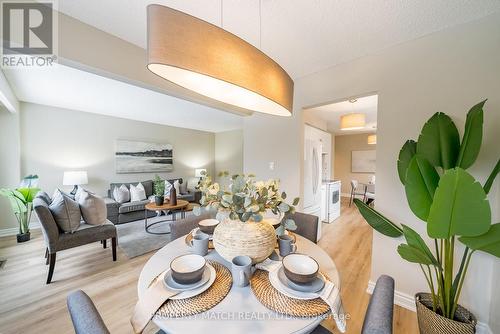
x: 312, y: 173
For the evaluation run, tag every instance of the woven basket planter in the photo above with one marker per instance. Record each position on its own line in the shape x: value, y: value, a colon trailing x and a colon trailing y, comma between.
x: 233, y: 238
x: 429, y: 322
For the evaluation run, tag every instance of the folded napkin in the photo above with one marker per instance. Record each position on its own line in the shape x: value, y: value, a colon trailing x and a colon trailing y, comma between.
x: 330, y: 294
x: 151, y: 301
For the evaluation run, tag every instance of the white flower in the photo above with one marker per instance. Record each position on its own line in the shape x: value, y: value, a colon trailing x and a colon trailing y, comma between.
x: 213, y: 189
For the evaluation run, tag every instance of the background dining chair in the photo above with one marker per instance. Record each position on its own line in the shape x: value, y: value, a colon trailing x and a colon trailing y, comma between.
x: 307, y: 225
x: 354, y: 191
x: 182, y: 227
x: 380, y: 311
x: 85, y: 316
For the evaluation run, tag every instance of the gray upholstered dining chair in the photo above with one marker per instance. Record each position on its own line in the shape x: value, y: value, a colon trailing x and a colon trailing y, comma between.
x: 84, y: 315
x: 307, y: 225
x: 56, y: 240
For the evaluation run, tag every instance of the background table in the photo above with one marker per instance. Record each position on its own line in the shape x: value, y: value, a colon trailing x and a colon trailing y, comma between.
x: 181, y: 205
x: 238, y: 299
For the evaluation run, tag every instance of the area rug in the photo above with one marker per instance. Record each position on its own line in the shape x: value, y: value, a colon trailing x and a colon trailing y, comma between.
x: 135, y: 241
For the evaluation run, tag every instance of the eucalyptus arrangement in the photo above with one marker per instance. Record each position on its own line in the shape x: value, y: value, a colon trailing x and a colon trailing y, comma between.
x: 21, y: 201
x: 441, y: 193
x: 247, y: 199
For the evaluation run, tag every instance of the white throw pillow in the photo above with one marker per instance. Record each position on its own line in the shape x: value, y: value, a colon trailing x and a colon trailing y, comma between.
x: 168, y: 187
x: 121, y: 194
x: 66, y: 212
x: 137, y: 193
x: 177, y: 187
x: 93, y: 208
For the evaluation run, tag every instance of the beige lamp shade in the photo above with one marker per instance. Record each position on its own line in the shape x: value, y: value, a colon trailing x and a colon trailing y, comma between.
x: 372, y: 139
x: 74, y: 178
x: 211, y: 61
x: 352, y: 121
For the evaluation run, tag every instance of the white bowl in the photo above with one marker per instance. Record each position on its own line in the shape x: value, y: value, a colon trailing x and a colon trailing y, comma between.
x: 188, y: 269
x: 300, y: 268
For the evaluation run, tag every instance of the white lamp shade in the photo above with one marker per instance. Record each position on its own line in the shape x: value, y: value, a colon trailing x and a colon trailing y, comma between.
x: 372, y: 139
x: 352, y: 122
x: 75, y: 178
x: 200, y: 172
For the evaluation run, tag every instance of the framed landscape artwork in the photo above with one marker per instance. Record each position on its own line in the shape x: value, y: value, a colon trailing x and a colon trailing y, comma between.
x: 363, y: 161
x: 143, y: 157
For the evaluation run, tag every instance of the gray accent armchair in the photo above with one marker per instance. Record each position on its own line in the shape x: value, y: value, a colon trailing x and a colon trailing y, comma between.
x: 379, y: 314
x: 56, y: 240
x: 84, y: 315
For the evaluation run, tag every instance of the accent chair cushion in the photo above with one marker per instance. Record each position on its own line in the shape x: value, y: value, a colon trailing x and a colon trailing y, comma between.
x: 177, y: 187
x: 121, y: 194
x: 44, y: 197
x: 137, y: 193
x: 93, y: 208
x: 66, y: 212
x: 168, y: 187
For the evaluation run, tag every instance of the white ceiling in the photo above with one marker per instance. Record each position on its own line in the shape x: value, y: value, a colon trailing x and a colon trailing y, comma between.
x: 303, y: 36
x: 69, y: 88
x: 330, y: 113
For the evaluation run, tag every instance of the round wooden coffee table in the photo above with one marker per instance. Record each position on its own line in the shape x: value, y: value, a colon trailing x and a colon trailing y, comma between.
x: 180, y: 206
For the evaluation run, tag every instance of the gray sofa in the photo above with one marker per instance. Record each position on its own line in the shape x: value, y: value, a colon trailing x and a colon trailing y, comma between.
x: 131, y: 211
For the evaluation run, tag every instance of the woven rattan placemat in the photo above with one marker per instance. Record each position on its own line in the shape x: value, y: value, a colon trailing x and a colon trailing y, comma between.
x: 278, y: 302
x: 202, y: 302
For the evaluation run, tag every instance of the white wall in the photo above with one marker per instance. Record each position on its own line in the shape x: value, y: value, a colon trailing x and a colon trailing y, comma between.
x: 228, y: 153
x: 447, y: 71
x: 54, y: 140
x: 9, y: 163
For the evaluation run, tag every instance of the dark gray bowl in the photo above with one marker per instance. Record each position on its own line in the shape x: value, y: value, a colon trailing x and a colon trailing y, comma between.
x: 188, y: 269
x: 300, y: 268
x: 208, y: 225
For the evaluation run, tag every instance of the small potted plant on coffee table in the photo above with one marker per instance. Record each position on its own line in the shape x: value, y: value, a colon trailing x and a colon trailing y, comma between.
x: 159, y: 190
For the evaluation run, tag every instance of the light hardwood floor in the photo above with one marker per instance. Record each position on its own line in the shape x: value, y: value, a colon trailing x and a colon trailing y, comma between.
x: 28, y: 305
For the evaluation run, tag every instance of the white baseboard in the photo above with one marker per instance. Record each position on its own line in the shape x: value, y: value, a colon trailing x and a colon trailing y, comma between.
x: 408, y: 302
x: 15, y: 230
x: 402, y: 299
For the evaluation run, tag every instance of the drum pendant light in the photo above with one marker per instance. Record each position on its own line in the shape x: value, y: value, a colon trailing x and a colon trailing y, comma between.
x: 352, y: 121
x: 211, y: 61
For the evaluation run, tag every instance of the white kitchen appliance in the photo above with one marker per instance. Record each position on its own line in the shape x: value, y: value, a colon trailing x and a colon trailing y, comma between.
x: 331, y: 201
x: 312, y: 178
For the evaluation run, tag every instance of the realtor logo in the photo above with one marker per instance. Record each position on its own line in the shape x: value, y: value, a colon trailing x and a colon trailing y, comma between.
x: 28, y: 33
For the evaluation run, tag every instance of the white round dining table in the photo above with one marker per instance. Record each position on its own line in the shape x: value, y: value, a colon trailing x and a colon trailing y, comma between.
x: 240, y: 311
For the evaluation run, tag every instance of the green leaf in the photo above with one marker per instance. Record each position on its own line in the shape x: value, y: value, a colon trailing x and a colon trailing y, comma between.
x: 473, y: 136
x: 414, y: 240
x: 488, y: 242
x: 283, y: 207
x: 290, y: 225
x: 439, y: 141
x: 491, y: 178
x: 283, y: 195
x: 295, y: 201
x: 460, y: 207
x: 412, y: 254
x: 405, y: 155
x: 378, y: 221
x: 421, y: 183
x: 280, y: 230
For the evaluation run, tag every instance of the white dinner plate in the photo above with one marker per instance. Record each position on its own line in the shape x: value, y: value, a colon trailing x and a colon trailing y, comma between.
x: 288, y: 291
x: 200, y: 289
x: 171, y: 284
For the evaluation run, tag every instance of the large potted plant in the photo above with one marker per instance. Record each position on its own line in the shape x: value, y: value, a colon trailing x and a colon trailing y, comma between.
x: 159, y: 190
x: 21, y: 201
x: 442, y: 194
x: 241, y: 209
